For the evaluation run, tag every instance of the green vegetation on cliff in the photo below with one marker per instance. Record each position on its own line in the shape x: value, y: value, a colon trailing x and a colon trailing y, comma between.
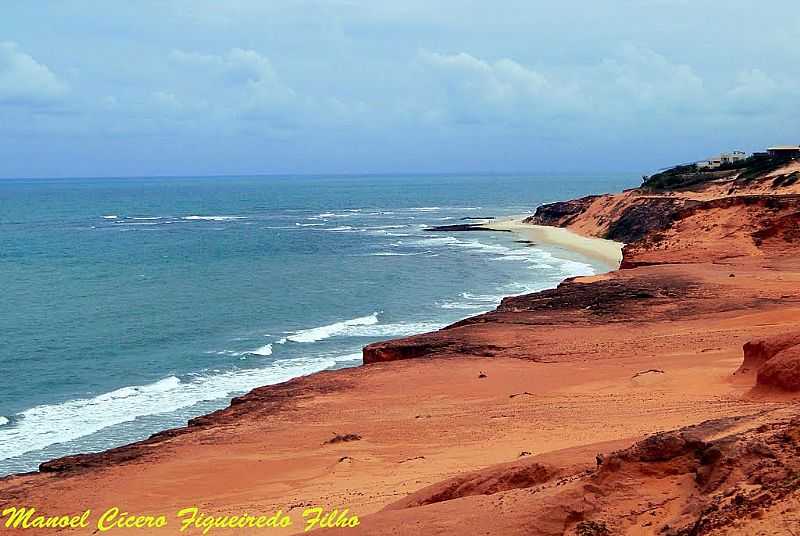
x: 685, y: 176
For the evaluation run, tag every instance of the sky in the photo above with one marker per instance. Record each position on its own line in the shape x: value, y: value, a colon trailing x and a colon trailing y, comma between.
x: 208, y: 87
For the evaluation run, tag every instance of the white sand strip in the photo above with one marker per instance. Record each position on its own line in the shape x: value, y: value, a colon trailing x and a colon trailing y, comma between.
x: 606, y: 251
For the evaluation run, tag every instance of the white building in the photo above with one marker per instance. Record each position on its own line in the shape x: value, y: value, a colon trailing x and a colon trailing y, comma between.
x: 724, y: 158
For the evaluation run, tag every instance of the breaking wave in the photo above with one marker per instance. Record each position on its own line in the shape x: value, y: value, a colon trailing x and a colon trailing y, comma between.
x: 330, y: 330
x: 34, y: 428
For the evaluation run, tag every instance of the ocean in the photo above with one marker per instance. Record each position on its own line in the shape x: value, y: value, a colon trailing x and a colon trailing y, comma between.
x: 128, y: 306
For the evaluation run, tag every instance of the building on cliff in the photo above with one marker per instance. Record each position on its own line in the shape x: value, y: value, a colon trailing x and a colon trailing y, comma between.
x: 784, y: 151
x: 724, y: 158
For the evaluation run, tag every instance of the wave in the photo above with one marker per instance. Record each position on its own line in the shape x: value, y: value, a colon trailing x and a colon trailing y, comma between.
x: 486, y: 302
x: 4, y: 420
x: 355, y: 356
x: 394, y: 254
x: 434, y: 209
x: 364, y: 326
x: 438, y: 241
x: 462, y: 305
x: 575, y: 268
x: 330, y: 330
x: 263, y: 350
x: 309, y: 224
x: 110, y: 217
x: 493, y: 298
x: 537, y: 258
x: 334, y: 215
x: 517, y: 288
x: 400, y: 329
x: 34, y: 428
x: 213, y: 218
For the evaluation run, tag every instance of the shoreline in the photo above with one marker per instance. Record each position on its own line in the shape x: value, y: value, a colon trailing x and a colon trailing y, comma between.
x: 605, y: 251
x: 601, y: 251
x: 502, y: 422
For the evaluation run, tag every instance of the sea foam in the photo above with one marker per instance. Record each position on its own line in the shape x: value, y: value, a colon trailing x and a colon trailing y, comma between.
x: 330, y: 330
x: 213, y: 218
x: 263, y: 350
x: 35, y: 428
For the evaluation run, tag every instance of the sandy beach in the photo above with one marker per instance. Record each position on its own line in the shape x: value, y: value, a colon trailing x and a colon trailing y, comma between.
x: 608, y: 252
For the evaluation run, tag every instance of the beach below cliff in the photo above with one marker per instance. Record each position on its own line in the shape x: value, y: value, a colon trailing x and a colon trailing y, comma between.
x: 614, y: 404
x: 608, y: 252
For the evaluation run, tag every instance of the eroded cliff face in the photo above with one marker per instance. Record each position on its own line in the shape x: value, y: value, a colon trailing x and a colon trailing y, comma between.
x: 724, y: 223
x: 715, y: 220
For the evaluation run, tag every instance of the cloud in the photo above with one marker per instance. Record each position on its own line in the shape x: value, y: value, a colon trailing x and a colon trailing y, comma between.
x: 243, y: 85
x: 240, y: 82
x: 755, y: 92
x: 26, y: 82
x: 365, y: 85
x: 478, y: 90
x: 631, y: 82
x: 649, y: 80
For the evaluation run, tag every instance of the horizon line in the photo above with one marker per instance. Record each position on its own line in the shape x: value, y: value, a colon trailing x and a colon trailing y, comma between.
x: 323, y: 174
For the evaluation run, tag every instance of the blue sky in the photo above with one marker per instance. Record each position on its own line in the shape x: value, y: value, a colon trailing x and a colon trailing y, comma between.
x: 182, y: 87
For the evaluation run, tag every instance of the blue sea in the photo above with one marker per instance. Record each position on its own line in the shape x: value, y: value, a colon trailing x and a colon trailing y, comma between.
x: 128, y: 306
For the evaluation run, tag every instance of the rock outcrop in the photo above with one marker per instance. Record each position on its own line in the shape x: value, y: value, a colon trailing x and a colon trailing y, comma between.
x: 759, y: 351
x: 782, y: 370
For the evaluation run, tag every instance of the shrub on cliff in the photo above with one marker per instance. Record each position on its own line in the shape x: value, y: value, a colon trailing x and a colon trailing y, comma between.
x: 688, y: 175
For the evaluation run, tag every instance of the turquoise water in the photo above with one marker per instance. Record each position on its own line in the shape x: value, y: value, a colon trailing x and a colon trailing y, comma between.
x: 131, y: 305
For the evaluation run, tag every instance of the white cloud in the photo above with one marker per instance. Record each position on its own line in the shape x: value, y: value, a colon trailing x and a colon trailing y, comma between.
x: 246, y: 83
x: 650, y: 80
x: 756, y: 92
x: 481, y: 90
x: 631, y: 82
x: 25, y: 81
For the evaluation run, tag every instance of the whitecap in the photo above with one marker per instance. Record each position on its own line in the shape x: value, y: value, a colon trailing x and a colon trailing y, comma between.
x: 461, y: 305
x: 399, y: 329
x: 335, y: 215
x: 438, y: 241
x: 263, y: 350
x: 481, y: 297
x: 356, y: 356
x: 78, y: 418
x: 213, y: 218
x: 393, y: 254
x: 330, y: 330
x: 110, y: 217
x: 4, y: 420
